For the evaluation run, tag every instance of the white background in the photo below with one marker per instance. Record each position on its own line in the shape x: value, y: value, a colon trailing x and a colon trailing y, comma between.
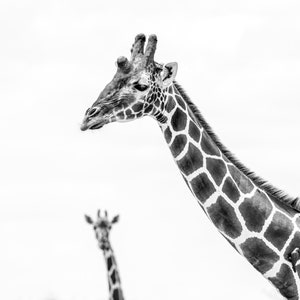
x: 239, y: 61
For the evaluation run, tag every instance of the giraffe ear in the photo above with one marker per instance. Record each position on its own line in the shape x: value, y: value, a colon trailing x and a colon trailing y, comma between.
x: 115, y: 219
x: 169, y: 73
x: 88, y: 219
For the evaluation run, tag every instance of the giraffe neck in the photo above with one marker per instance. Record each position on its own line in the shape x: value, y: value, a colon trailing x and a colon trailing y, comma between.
x: 113, y: 276
x: 256, y: 224
x: 205, y: 169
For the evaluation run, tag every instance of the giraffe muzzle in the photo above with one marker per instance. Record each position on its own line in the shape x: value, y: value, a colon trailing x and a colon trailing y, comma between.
x: 93, y: 124
x: 94, y: 119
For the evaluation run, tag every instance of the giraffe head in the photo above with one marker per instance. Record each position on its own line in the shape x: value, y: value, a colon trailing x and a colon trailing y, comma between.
x: 137, y: 89
x: 102, y: 227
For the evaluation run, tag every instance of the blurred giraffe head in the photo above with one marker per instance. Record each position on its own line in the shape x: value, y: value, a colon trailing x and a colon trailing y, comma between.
x: 102, y: 227
x: 137, y: 89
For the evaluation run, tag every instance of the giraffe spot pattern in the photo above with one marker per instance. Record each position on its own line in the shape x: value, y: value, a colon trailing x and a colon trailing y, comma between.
x: 208, y: 146
x: 298, y: 222
x: 128, y: 113
x: 121, y: 115
x: 178, y: 144
x: 180, y: 101
x: 259, y: 254
x: 116, y: 295
x: 113, y: 277
x: 216, y: 168
x: 139, y: 114
x: 160, y: 117
x: 152, y: 97
x: 244, y: 184
x: 170, y: 104
x: 137, y: 107
x: 109, y: 263
x: 284, y: 281
x: 192, y: 160
x: 170, y: 90
x: 223, y: 216
x: 294, y: 243
x: 279, y: 230
x: 255, y: 211
x: 157, y: 103
x: 178, y: 120
x: 230, y: 189
x: 168, y: 135
x: 148, y: 109
x: 162, y: 105
x: 202, y: 187
x: 194, y: 132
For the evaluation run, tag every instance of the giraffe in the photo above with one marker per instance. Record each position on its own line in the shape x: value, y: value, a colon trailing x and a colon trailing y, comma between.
x: 258, y: 220
x: 102, y: 227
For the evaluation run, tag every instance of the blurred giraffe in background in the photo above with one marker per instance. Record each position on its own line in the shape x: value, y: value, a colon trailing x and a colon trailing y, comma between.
x: 258, y: 220
x: 102, y: 226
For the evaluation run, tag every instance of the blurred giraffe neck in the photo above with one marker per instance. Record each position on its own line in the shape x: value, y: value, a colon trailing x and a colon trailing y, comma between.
x: 113, y: 276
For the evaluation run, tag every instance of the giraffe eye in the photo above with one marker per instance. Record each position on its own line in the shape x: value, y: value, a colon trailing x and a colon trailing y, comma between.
x: 140, y: 87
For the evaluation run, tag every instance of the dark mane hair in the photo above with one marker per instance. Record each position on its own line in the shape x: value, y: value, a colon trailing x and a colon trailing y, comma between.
x: 261, y: 183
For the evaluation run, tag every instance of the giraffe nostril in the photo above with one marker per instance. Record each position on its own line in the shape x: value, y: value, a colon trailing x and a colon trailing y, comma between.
x: 93, y: 111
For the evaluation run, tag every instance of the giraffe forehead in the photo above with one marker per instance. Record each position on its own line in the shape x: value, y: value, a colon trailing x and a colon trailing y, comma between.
x: 142, y: 77
x: 146, y: 76
x: 103, y: 224
x: 150, y: 74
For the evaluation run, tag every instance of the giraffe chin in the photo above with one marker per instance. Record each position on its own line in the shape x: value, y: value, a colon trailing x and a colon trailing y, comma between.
x: 97, y: 126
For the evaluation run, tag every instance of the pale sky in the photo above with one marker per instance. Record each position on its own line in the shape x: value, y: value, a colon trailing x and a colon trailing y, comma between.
x: 239, y: 61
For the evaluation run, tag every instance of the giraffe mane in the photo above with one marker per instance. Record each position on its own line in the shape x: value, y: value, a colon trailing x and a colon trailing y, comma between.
x: 261, y: 183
